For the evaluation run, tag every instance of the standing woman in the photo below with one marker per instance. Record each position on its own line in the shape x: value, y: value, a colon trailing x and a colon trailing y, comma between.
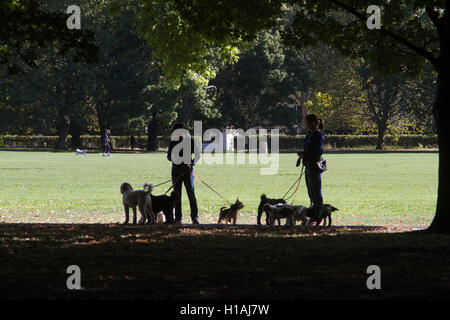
x: 311, y: 155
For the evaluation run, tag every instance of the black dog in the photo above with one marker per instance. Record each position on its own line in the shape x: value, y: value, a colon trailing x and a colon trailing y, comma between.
x: 265, y: 200
x: 165, y: 204
x: 320, y: 213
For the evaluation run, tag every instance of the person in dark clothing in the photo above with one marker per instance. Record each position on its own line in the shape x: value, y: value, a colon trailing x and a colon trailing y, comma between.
x: 182, y: 167
x: 132, y: 142
x: 107, y: 141
x: 312, y: 153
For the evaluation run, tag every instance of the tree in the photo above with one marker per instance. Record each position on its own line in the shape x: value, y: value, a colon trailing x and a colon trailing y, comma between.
x: 258, y: 89
x: 419, y: 95
x: 160, y: 104
x: 123, y: 69
x: 412, y: 33
x: 336, y: 92
x: 52, y: 95
x: 384, y: 99
x: 29, y: 25
x: 164, y: 104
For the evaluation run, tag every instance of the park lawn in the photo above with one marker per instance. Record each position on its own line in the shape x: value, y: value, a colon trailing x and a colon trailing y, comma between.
x: 368, y: 188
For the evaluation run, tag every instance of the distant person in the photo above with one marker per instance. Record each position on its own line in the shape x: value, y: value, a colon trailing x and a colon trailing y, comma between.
x: 132, y: 142
x: 181, y: 174
x: 107, y: 142
x: 312, y: 155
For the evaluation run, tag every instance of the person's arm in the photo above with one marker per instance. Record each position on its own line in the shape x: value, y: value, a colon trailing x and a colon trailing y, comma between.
x: 316, y: 146
x: 195, y: 150
x: 169, y: 151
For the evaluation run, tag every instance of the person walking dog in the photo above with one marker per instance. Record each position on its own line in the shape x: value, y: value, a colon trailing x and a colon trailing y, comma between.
x: 312, y: 158
x: 107, y: 141
x: 181, y: 170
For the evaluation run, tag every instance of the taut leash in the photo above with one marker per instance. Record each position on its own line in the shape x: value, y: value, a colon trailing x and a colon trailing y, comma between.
x: 174, y: 182
x: 160, y: 184
x: 299, y: 180
x: 296, y: 189
x: 192, y: 173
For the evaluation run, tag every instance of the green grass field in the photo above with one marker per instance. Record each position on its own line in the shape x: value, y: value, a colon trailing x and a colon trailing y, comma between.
x: 368, y: 188
x: 394, y: 190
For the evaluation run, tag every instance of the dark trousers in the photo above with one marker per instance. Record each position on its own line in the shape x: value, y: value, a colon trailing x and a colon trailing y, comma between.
x: 107, y: 148
x: 180, y: 176
x: 313, y: 179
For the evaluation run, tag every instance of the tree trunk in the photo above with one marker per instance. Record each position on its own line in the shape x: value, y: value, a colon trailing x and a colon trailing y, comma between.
x: 441, y: 221
x: 152, y: 133
x: 186, y: 109
x: 75, y: 131
x: 102, y: 134
x: 63, y: 131
x: 381, y: 136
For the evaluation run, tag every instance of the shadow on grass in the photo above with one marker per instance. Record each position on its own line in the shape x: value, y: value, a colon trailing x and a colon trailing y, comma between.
x: 221, y: 262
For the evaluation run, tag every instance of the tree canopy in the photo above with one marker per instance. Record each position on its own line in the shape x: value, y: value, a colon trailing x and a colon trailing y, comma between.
x: 28, y: 25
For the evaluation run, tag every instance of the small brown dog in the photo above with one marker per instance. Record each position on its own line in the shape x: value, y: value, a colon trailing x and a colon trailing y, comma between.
x: 280, y: 212
x: 263, y: 201
x: 230, y: 213
x: 137, y: 198
x: 320, y: 213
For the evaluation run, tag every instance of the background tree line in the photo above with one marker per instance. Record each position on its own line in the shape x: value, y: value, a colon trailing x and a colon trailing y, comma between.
x: 271, y: 85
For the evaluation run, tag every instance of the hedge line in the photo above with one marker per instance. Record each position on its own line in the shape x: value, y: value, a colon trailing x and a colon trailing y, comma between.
x: 285, y: 142
x: 89, y: 142
x: 348, y: 141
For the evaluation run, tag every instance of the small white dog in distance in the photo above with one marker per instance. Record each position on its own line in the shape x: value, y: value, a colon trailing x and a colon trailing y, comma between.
x: 82, y: 152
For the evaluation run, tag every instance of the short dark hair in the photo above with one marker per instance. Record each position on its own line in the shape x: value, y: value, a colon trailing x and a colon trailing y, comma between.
x: 176, y: 126
x: 312, y: 118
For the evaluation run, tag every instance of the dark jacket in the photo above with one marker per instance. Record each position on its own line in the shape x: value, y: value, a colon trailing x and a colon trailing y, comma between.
x: 107, y: 139
x: 194, y: 150
x: 313, y: 147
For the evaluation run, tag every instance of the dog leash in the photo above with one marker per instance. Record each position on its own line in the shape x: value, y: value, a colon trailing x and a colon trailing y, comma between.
x: 295, y: 193
x: 209, y: 187
x: 160, y: 184
x: 174, y: 182
x: 296, y: 189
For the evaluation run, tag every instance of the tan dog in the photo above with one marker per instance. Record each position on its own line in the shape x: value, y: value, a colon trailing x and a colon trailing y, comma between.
x: 137, y: 198
x: 230, y: 213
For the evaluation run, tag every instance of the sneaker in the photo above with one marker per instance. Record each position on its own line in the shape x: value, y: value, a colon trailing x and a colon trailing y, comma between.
x: 108, y: 155
x: 104, y: 155
x: 195, y: 221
